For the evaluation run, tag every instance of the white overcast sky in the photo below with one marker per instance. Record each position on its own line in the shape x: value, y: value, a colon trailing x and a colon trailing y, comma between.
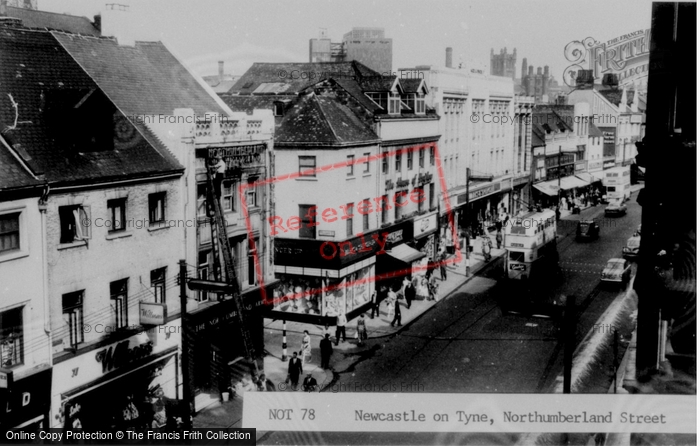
x: 242, y: 32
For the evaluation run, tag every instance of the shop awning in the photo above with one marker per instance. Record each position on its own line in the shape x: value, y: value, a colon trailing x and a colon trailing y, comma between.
x: 405, y: 253
x: 547, y: 187
x: 587, y: 177
x: 599, y: 175
x: 571, y: 182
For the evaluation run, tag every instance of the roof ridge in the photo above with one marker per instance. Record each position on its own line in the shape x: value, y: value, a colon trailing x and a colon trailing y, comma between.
x: 323, y: 116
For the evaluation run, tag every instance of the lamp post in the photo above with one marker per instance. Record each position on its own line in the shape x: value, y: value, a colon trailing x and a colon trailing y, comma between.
x: 468, y: 225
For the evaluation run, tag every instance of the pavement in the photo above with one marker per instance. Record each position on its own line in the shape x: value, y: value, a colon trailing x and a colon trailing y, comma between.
x: 229, y: 413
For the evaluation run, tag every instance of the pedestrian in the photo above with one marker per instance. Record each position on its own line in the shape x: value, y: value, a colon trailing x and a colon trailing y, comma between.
x: 309, y: 384
x: 361, y: 330
x: 397, y: 313
x: 499, y: 239
x: 294, y: 370
x: 326, y: 347
x: 391, y: 297
x: 429, y: 272
x: 443, y: 266
x: 433, y: 288
x: 305, y: 348
x: 374, y: 302
x: 409, y: 294
x: 340, y: 328
x: 486, y: 248
x: 406, y: 282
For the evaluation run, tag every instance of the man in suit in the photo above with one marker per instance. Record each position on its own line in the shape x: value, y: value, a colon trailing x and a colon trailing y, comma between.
x: 326, y: 351
x: 340, y: 327
x: 397, y: 312
x: 409, y: 293
x: 295, y: 370
x: 309, y: 384
x: 374, y: 303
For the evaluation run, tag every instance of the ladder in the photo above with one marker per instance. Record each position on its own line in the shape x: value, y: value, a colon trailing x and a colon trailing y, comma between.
x: 221, y: 247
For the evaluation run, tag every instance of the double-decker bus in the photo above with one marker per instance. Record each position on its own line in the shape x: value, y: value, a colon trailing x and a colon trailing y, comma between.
x: 531, y: 244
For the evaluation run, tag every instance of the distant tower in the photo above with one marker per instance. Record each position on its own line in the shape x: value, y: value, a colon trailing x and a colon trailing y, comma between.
x: 503, y: 64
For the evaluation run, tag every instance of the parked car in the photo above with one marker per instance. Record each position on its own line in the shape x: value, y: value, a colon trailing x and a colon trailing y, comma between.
x: 638, y: 231
x: 617, y: 271
x: 631, y: 250
x: 616, y: 207
x: 587, y: 229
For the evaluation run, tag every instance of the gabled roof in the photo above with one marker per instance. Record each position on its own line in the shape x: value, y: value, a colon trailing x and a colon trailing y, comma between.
x: 32, y: 18
x: 354, y: 90
x: 593, y: 130
x: 378, y: 84
x: 615, y: 96
x: 13, y: 174
x: 145, y: 79
x: 551, y: 119
x: 50, y: 89
x: 413, y: 85
x: 297, y: 76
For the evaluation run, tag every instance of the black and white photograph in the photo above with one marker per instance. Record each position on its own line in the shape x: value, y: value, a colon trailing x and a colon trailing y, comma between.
x: 325, y: 222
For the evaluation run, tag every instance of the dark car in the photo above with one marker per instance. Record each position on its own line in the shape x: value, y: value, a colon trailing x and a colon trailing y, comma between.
x: 587, y: 229
x: 631, y: 250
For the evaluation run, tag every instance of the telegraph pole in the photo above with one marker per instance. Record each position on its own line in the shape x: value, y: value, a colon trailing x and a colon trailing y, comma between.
x: 184, y: 324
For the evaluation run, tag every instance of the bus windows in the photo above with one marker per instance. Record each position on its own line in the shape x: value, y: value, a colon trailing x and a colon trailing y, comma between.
x: 516, y: 256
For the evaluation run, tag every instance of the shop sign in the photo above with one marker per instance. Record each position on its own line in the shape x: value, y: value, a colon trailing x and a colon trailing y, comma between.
x: 594, y: 165
x: 424, y: 225
x: 151, y: 313
x: 608, y: 164
x: 326, y: 233
x: 424, y: 178
x: 238, y: 156
x: 581, y: 165
x: 480, y: 193
x: 389, y: 185
x: 121, y: 354
x: 609, y: 140
x: 29, y: 398
x: 402, y: 183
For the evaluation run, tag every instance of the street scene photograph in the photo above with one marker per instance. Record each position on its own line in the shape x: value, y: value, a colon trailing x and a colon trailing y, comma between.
x: 325, y: 222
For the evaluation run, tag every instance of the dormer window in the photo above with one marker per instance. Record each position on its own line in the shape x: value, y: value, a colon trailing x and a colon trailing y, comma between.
x: 420, y: 104
x: 394, y: 104
x: 379, y: 98
x: 278, y: 109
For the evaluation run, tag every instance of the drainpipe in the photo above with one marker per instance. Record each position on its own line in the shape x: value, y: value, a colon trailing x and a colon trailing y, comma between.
x: 44, y: 270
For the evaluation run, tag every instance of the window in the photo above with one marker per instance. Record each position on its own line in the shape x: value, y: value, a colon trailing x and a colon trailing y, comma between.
x: 420, y: 104
x: 398, y: 205
x: 279, y: 108
x: 431, y: 195
x: 201, y: 200
x: 385, y: 162
x: 73, y: 316
x: 11, y: 337
x: 409, y: 159
x: 118, y: 293
x: 351, y: 165
x: 74, y: 223
x: 117, y: 214
x: 394, y: 104
x: 158, y: 284
x: 385, y: 208
x: 366, y: 204
x: 307, y: 166
x: 398, y: 161
x: 252, y: 273
x: 421, y: 158
x: 365, y: 164
x: 432, y: 155
x: 251, y: 193
x: 228, y: 196
x: 203, y: 273
x: 379, y: 98
x: 419, y: 192
x: 307, y: 214
x: 156, y: 207
x: 348, y: 219
x: 9, y: 232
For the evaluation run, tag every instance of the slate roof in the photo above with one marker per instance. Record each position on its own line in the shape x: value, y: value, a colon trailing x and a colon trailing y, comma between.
x: 410, y: 85
x: 145, y: 79
x: 354, y: 90
x: 49, y: 88
x: 377, y: 83
x: 615, y: 96
x: 32, y: 18
x: 297, y: 76
x: 12, y: 173
x: 323, y: 120
x: 593, y: 130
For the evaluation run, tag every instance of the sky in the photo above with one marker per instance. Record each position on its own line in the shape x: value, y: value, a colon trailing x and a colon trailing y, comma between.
x: 238, y: 32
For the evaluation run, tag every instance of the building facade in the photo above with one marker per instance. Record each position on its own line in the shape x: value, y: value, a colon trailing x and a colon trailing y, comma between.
x: 503, y: 64
x: 368, y: 46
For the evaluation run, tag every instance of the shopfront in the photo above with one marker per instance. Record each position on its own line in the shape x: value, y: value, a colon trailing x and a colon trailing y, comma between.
x: 25, y: 402
x: 424, y: 234
x: 318, y: 280
x: 131, y: 383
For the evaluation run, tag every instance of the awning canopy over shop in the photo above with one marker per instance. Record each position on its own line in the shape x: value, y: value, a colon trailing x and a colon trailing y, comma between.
x: 547, y: 187
x: 552, y: 187
x: 587, y: 177
x: 571, y: 182
x: 598, y: 175
x: 405, y: 253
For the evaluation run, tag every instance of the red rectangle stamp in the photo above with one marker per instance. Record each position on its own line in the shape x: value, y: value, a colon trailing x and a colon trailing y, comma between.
x: 326, y: 266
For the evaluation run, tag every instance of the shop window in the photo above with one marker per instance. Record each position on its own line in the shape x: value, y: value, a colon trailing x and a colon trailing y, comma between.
x: 365, y: 164
x: 11, y: 338
x: 351, y: 165
x: 74, y: 223
x: 228, y: 196
x: 156, y: 207
x: 421, y: 158
x: 307, y: 214
x: 117, y: 214
x: 118, y: 293
x: 307, y: 166
x: 348, y: 219
x: 409, y: 160
x: 9, y: 232
x: 203, y: 274
x: 73, y: 316
x: 158, y: 284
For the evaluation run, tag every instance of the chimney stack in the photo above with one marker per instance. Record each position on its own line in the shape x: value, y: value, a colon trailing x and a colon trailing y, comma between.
x: 539, y: 71
x: 97, y: 22
x: 546, y: 71
x: 448, y: 57
x: 221, y: 71
x: 530, y: 70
